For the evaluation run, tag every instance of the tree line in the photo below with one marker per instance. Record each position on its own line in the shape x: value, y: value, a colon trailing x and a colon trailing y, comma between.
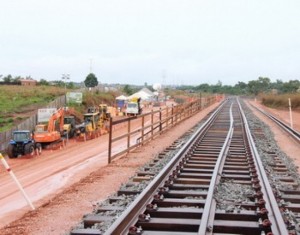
x: 10, y: 80
x: 253, y: 87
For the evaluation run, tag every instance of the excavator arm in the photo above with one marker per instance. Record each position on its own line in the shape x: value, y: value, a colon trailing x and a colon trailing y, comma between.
x: 59, y: 115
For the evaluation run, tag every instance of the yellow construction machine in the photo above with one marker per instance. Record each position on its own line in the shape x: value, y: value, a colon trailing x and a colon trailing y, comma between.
x: 71, y: 118
x: 104, y: 114
x: 90, y: 126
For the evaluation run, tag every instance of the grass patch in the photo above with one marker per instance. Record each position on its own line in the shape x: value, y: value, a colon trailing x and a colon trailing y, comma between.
x: 6, y: 124
x: 14, y: 98
x: 96, y: 98
x: 281, y: 101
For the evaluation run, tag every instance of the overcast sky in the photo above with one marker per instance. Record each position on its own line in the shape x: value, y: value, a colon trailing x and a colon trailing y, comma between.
x: 179, y: 42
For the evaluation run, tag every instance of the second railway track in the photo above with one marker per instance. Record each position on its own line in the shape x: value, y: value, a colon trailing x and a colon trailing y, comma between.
x: 215, y: 184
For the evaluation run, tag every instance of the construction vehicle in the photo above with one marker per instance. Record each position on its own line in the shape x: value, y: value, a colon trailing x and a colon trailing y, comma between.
x: 70, y: 119
x: 104, y: 114
x: 69, y: 126
x: 134, y: 107
x: 92, y: 109
x: 52, y: 131
x: 90, y: 126
x: 22, y: 143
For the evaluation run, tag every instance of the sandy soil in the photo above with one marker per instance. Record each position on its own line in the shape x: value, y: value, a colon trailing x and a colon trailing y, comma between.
x: 66, y: 184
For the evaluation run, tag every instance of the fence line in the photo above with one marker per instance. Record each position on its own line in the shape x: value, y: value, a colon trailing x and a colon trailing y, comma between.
x: 150, y: 125
x: 28, y: 124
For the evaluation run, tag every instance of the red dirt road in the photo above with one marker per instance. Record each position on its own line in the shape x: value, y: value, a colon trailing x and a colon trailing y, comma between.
x: 46, y: 174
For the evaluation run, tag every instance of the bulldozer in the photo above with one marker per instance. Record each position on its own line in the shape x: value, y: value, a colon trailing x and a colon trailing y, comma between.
x: 90, y: 126
x: 104, y: 114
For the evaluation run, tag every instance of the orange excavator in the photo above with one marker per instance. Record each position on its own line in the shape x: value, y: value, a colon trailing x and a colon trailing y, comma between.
x: 49, y: 133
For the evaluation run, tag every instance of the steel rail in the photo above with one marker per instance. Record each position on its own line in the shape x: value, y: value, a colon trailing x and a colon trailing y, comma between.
x: 130, y: 215
x: 295, y: 134
x: 277, y: 223
x: 214, y: 186
x: 210, y: 204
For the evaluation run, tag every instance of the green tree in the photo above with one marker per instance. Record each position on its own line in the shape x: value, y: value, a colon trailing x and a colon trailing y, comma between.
x: 58, y: 83
x: 16, y: 79
x: 277, y: 85
x: 204, y: 87
x: 128, y: 90
x: 71, y: 85
x: 43, y: 82
x: 264, y: 83
x: 291, y: 86
x: 254, y: 87
x: 91, y: 80
x: 240, y: 88
x: 8, y: 78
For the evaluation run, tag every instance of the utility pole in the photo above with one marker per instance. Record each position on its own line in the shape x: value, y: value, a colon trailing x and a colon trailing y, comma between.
x: 65, y: 77
x: 91, y: 63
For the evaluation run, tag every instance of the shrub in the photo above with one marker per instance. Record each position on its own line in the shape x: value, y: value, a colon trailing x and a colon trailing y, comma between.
x: 281, y: 101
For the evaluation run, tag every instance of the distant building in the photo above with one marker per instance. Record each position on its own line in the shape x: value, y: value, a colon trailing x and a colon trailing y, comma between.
x: 28, y: 82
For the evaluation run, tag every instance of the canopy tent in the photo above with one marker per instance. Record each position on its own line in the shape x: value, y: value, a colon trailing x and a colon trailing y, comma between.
x: 121, y: 101
x: 141, y: 94
x: 146, y: 90
x: 121, y: 97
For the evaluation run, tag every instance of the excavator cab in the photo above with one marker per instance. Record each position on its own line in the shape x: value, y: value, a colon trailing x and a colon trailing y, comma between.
x: 41, y: 128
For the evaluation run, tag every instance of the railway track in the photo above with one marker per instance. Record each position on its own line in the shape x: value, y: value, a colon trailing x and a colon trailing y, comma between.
x: 292, y: 132
x: 215, y: 184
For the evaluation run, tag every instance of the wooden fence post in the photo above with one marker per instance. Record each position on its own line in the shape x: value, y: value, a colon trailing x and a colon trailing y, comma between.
x: 143, y: 125
x: 128, y: 136
x: 152, y: 120
x: 167, y: 117
x: 200, y: 101
x: 160, y: 124
x: 172, y: 113
x: 110, y: 140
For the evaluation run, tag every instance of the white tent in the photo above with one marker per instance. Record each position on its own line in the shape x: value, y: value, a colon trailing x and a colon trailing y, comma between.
x: 145, y: 89
x: 141, y: 94
x: 122, y: 97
